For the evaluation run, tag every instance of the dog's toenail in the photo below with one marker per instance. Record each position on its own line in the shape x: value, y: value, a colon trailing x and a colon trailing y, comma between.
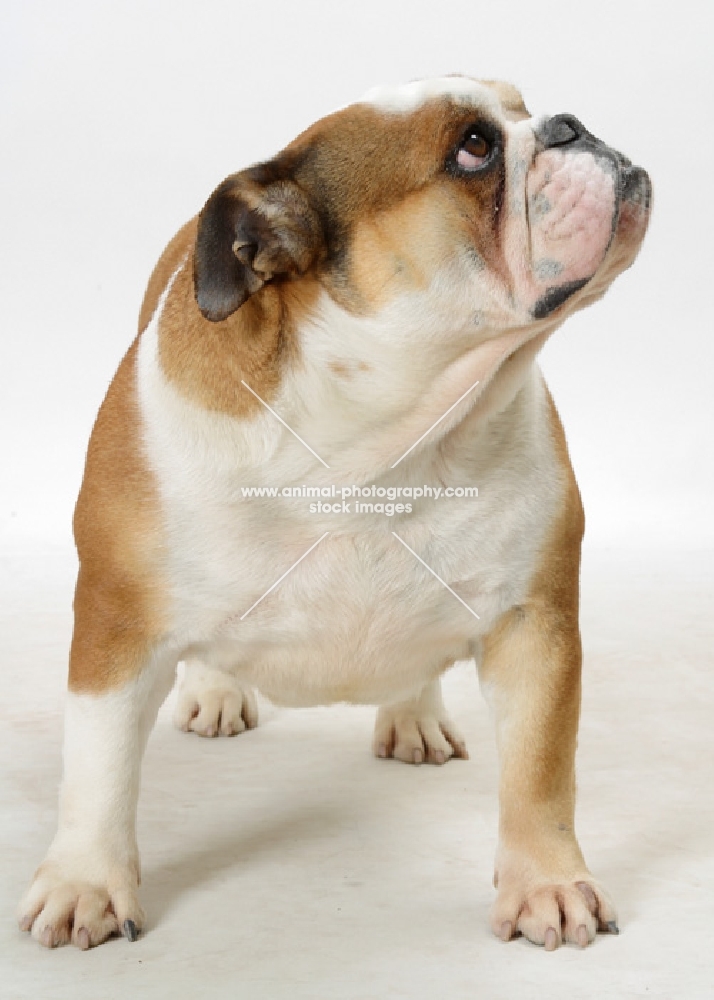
x: 551, y: 939
x: 130, y: 930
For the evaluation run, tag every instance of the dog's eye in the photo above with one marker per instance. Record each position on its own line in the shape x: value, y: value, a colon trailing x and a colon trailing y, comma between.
x: 473, y: 152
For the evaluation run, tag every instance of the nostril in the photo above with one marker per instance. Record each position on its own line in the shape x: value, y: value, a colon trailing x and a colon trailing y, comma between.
x: 560, y: 130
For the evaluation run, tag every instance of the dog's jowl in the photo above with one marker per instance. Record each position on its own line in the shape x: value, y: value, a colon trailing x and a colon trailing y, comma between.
x: 334, y: 357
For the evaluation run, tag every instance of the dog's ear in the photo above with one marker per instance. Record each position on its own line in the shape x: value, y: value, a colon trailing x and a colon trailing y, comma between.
x: 248, y: 234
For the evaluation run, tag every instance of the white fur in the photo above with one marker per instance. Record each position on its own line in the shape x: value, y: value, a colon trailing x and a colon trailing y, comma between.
x: 94, y: 858
x: 211, y: 702
x: 411, y: 96
x: 359, y: 619
x: 105, y: 736
x: 422, y: 724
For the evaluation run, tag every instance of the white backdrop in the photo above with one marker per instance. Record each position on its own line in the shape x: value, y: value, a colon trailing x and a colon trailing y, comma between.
x: 117, y: 119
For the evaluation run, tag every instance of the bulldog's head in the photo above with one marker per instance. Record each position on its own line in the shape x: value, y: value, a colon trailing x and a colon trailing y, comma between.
x: 414, y: 181
x: 440, y: 213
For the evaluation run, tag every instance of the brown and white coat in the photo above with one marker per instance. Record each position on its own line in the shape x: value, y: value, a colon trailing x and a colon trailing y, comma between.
x: 408, y: 252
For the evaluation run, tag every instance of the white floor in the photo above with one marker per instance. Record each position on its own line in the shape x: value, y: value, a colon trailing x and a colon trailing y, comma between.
x: 288, y: 862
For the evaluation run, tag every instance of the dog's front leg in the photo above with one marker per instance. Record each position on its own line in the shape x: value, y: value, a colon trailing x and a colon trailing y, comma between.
x: 86, y: 888
x: 530, y: 674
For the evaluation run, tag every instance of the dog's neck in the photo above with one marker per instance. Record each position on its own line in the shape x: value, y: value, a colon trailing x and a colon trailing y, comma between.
x: 362, y: 398
x: 377, y: 410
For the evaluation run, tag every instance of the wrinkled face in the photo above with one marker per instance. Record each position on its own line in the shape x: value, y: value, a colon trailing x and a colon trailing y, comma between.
x: 444, y: 190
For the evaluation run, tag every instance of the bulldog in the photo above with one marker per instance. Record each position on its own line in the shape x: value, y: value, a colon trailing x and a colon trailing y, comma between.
x: 363, y: 312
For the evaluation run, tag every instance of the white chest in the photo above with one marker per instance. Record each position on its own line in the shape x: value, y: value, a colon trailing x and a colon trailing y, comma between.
x: 354, y: 604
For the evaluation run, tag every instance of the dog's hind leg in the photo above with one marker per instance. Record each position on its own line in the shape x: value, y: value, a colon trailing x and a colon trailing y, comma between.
x: 418, y: 730
x: 211, y: 702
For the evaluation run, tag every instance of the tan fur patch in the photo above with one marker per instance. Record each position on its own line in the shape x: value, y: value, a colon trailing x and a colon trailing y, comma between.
x: 361, y: 164
x: 400, y: 248
x: 207, y: 361
x: 118, y: 601
x: 532, y: 658
x: 339, y: 368
x: 176, y: 251
x: 389, y: 254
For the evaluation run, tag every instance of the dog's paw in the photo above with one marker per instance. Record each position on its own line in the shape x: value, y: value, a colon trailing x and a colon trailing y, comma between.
x: 66, y: 903
x: 412, y: 733
x: 551, y: 911
x: 211, y: 702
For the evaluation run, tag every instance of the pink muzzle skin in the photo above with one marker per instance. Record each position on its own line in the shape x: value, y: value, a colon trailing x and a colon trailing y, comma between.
x: 576, y: 191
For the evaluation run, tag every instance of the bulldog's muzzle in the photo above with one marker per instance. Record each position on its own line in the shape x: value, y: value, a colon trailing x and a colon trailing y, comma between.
x: 567, y: 131
x: 582, y: 195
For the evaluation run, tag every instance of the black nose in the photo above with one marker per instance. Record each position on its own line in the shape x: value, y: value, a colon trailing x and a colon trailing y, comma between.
x: 561, y: 130
x: 569, y: 131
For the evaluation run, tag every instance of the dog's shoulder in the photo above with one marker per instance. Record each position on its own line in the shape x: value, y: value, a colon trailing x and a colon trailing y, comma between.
x: 176, y: 251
